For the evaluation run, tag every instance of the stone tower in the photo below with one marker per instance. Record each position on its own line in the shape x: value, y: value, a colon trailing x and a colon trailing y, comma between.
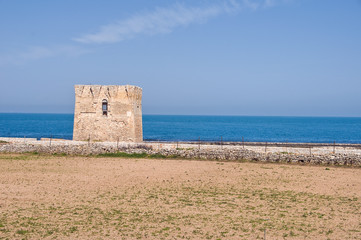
x: 108, y: 113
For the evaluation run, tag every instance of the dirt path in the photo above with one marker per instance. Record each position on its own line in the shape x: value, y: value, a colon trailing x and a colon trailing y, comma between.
x: 96, y: 198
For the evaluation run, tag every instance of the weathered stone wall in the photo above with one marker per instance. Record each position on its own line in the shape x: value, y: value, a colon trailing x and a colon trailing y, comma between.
x: 123, y: 121
x: 344, y: 157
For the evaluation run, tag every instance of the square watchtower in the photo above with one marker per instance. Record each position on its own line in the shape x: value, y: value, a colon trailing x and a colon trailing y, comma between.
x: 108, y: 113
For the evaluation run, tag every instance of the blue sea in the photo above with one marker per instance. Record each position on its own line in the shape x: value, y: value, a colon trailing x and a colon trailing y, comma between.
x: 205, y: 128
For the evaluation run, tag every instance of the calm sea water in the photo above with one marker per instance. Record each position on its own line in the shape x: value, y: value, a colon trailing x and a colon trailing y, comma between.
x: 209, y: 128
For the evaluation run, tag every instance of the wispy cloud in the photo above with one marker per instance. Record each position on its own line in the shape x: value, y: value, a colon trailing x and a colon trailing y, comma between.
x: 165, y: 20
x: 262, y: 4
x: 159, y: 21
x: 40, y: 52
x: 162, y: 20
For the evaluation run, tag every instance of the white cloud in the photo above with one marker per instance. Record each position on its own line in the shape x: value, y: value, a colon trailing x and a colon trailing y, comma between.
x: 162, y: 20
x: 165, y: 20
x: 259, y: 4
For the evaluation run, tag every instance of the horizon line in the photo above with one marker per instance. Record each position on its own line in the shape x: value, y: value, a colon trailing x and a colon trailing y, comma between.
x: 203, y: 115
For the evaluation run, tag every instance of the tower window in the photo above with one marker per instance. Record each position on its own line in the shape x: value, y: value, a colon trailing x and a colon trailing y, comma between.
x: 105, y: 107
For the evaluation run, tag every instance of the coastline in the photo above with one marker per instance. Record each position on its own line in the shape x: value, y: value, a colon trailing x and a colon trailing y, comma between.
x: 303, y: 153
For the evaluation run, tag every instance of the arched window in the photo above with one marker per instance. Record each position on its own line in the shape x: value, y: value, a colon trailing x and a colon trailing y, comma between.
x: 105, y: 107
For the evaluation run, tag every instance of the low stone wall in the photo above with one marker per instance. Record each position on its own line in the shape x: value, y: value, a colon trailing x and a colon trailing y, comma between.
x: 342, y: 156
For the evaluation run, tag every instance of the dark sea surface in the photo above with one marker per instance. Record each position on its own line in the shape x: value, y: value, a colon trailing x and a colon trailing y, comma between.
x: 207, y: 128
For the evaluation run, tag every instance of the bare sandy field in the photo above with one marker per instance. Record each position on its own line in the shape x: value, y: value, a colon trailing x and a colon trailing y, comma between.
x: 48, y: 197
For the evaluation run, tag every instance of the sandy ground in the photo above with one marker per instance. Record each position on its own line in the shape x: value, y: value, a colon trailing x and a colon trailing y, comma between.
x: 47, y: 197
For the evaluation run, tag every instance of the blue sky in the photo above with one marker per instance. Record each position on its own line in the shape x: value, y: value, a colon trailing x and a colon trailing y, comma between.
x: 220, y: 57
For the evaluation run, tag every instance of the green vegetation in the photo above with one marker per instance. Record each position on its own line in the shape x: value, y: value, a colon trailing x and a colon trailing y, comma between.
x: 73, y: 229
x: 60, y: 154
x: 123, y: 154
x: 21, y: 232
x: 135, y: 155
x: 1, y: 141
x: 15, y: 157
x: 32, y: 153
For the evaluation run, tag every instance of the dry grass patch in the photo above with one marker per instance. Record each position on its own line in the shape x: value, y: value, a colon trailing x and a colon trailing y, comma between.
x: 91, y: 198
